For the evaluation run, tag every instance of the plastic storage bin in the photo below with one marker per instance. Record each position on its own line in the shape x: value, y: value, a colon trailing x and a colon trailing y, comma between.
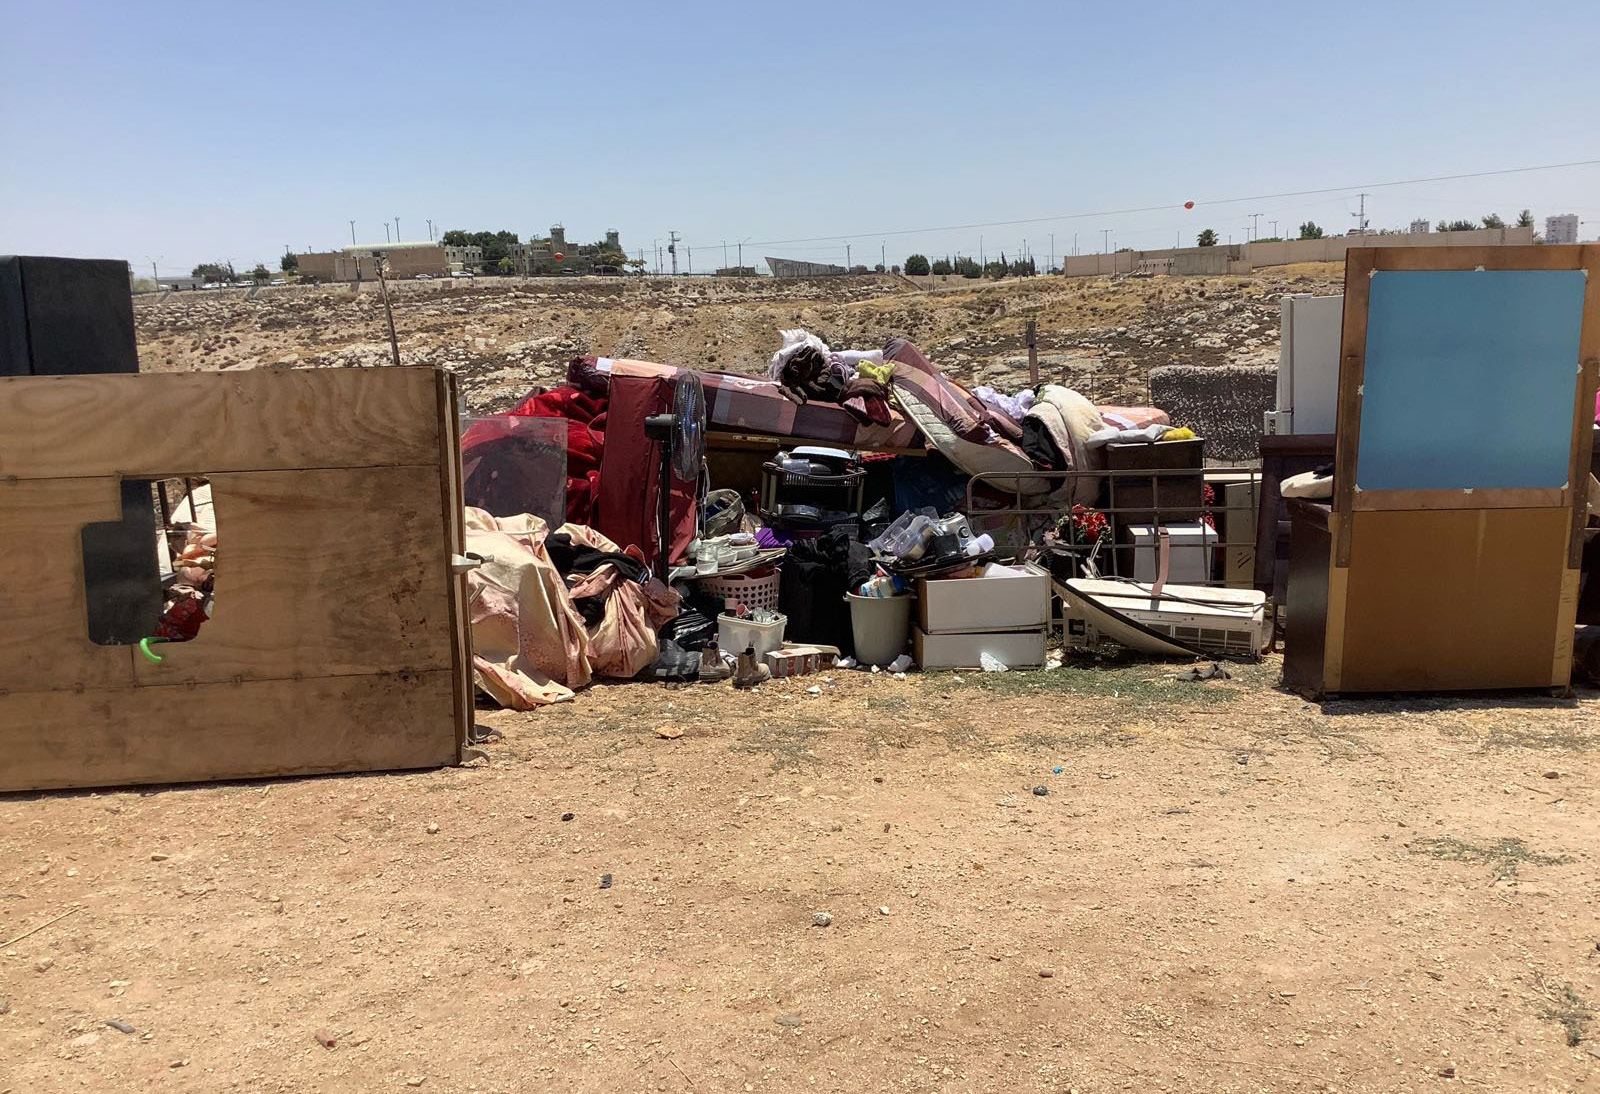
x: 736, y: 635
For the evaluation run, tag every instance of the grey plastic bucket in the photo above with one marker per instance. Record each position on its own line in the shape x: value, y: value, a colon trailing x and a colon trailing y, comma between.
x: 880, y: 625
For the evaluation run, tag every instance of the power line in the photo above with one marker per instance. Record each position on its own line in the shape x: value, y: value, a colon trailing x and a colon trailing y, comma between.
x: 1168, y: 206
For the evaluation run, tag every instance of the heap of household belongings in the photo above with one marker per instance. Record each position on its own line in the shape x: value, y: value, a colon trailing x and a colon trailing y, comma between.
x: 629, y: 574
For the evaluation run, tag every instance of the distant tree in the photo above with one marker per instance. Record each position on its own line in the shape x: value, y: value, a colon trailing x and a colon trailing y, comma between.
x: 1493, y: 221
x: 916, y: 265
x: 878, y: 268
x: 995, y: 268
x: 1457, y: 226
x: 1525, y: 219
x: 289, y: 263
x: 505, y: 266
x: 967, y: 267
x: 455, y: 238
x: 261, y: 273
x: 942, y: 266
x: 1124, y: 250
x: 213, y: 271
x: 1207, y: 238
x: 1309, y: 230
x: 894, y: 269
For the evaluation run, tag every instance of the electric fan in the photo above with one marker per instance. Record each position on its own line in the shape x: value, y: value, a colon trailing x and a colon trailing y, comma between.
x: 680, y: 435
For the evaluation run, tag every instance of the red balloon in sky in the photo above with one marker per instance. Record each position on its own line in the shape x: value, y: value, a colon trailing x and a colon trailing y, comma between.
x: 1188, y: 205
x: 560, y: 256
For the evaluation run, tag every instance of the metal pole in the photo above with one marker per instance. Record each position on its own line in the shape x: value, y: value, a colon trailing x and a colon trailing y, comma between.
x: 397, y: 229
x: 352, y: 233
x: 1033, y: 353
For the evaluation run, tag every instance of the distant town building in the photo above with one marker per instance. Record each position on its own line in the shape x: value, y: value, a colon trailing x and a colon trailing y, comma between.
x: 793, y: 267
x: 469, y: 257
x: 360, y: 263
x: 1561, y: 229
x: 736, y: 271
x: 537, y: 257
x: 1421, y: 227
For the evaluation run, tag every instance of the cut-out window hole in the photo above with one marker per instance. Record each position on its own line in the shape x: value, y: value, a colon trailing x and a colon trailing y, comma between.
x: 151, y: 576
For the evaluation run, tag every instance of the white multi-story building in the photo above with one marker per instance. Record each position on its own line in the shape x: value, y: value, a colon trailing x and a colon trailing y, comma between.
x: 1561, y: 229
x: 1421, y: 227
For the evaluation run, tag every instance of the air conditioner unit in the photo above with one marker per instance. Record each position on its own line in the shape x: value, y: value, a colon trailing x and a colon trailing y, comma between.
x: 1183, y: 621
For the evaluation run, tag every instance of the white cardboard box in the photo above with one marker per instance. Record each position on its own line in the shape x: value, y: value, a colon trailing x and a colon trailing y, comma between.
x: 1014, y: 649
x: 1193, y: 545
x: 1005, y: 598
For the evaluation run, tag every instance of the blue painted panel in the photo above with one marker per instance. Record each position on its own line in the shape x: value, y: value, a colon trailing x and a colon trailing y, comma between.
x: 1470, y: 379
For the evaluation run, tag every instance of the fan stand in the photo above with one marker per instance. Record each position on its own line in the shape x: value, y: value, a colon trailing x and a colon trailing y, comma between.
x: 660, y: 428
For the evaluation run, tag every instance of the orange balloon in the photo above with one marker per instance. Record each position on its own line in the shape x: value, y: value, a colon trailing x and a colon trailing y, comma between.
x: 1188, y: 205
x: 560, y: 256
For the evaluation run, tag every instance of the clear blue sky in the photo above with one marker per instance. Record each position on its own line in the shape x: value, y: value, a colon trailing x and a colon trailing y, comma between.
x: 190, y: 131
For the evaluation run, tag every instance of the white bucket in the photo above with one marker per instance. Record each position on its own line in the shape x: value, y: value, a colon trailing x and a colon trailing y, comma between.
x: 880, y: 625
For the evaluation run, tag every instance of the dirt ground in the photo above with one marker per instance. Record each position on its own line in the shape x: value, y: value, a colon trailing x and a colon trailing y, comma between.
x: 1225, y: 889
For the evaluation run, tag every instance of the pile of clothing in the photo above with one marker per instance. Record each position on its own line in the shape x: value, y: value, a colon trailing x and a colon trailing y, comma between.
x: 550, y: 612
x: 858, y: 380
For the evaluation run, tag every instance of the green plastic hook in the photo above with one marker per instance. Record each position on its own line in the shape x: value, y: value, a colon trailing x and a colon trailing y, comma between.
x: 144, y: 648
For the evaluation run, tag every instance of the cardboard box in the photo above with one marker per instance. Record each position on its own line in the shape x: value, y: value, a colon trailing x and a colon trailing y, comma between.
x: 1193, y: 545
x: 795, y: 660
x: 1014, y: 649
x: 1004, y: 598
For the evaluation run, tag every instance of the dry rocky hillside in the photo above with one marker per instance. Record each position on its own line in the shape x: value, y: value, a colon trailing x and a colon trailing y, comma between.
x: 504, y: 336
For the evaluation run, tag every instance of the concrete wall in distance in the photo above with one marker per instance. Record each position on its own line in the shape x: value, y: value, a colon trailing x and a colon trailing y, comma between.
x: 1242, y: 258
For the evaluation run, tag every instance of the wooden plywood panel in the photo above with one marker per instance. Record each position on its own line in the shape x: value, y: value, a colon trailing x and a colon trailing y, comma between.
x: 161, y: 425
x: 1454, y: 599
x: 219, y: 731
x: 44, y: 637
x: 323, y: 573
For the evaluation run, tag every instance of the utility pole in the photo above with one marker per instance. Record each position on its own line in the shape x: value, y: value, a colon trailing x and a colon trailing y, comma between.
x: 430, y: 231
x: 352, y: 233
x: 1105, y: 240
x: 397, y: 229
x: 386, y: 238
x: 981, y: 262
x: 1361, y: 217
x: 883, y: 254
x: 690, y: 252
x: 1274, y: 228
x: 1052, y: 250
x: 847, y: 256
x: 724, y: 254
x: 672, y: 250
x: 1255, y: 225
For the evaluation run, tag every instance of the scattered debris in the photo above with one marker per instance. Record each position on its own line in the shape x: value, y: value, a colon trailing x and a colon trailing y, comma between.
x: 1213, y: 671
x: 883, y: 910
x: 158, y: 857
x: 35, y: 930
x: 1041, y: 791
x: 605, y: 881
x: 788, y: 1021
x: 567, y: 816
x: 821, y: 919
x: 433, y: 828
x: 1046, y: 974
x: 670, y: 733
x: 44, y: 964
x: 325, y: 1037
x: 1552, y: 774
x: 120, y: 1026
